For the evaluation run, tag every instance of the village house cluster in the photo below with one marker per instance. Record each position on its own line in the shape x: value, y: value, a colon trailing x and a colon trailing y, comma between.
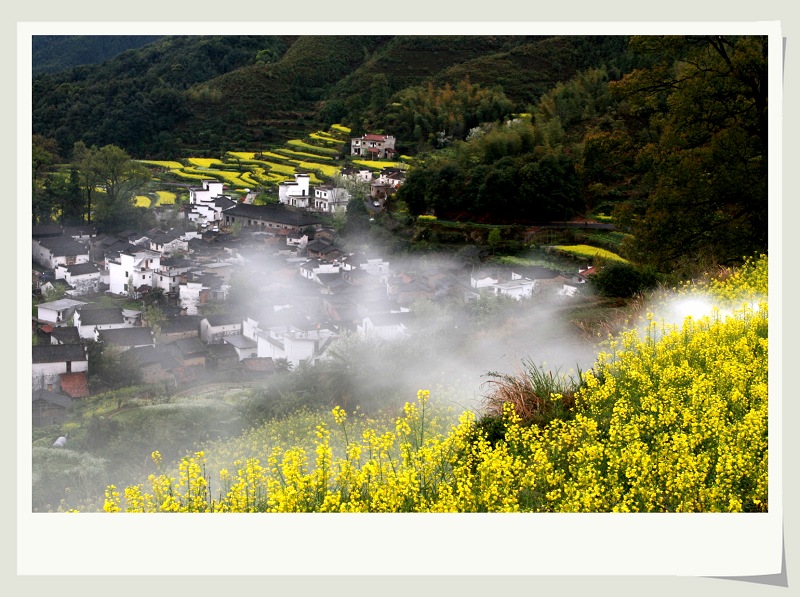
x: 310, y: 290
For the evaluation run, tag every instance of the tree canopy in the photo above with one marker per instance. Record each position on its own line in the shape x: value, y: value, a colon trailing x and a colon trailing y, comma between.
x: 701, y: 159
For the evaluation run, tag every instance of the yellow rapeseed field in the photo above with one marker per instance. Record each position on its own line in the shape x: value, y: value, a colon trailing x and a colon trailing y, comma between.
x: 589, y: 252
x: 669, y: 419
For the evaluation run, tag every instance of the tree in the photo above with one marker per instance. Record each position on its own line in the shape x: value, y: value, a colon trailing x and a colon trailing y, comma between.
x: 64, y: 195
x: 82, y: 161
x: 357, y: 218
x: 43, y: 157
x: 704, y: 102
x: 111, y: 169
x: 494, y: 239
x: 623, y: 280
x: 155, y: 318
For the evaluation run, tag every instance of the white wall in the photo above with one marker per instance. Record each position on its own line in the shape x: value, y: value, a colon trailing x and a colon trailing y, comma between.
x: 48, y: 373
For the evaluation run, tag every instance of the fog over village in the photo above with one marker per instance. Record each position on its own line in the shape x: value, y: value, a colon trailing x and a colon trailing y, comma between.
x: 239, y: 297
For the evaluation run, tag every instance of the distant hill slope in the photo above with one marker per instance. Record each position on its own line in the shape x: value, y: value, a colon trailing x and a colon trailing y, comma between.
x: 54, y: 53
x: 186, y: 94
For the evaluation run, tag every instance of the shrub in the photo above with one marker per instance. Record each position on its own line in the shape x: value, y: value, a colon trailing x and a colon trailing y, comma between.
x: 622, y: 280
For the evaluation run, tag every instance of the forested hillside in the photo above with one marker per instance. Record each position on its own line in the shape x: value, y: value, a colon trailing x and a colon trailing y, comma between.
x: 53, y: 53
x: 666, y: 136
x: 210, y: 92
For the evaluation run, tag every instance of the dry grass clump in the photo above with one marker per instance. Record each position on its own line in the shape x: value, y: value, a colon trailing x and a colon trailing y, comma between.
x: 538, y: 396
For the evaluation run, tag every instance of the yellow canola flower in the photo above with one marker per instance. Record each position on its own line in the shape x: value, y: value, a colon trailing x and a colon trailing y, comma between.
x: 672, y: 419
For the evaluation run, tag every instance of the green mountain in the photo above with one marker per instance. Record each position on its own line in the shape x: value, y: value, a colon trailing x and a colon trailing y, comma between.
x: 212, y: 93
x: 53, y: 53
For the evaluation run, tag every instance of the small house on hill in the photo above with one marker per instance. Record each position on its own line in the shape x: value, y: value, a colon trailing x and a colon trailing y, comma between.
x: 373, y: 146
x: 58, y: 312
x: 90, y: 321
x: 49, y: 408
x: 51, y: 361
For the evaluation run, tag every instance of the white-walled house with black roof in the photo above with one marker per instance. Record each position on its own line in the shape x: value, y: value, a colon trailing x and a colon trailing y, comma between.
x: 58, y: 312
x: 90, y: 321
x: 83, y: 277
x: 50, y: 361
x: 270, y: 217
x: 127, y: 337
x: 51, y: 251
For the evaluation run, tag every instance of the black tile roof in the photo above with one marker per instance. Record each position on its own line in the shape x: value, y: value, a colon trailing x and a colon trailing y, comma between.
x: 46, y: 230
x: 151, y: 355
x: 66, y: 335
x: 181, y: 323
x: 58, y: 353
x: 63, y: 246
x: 188, y: 346
x: 101, y: 316
x: 127, y: 336
x: 273, y: 213
x: 51, y: 397
x: 81, y: 269
x: 224, y: 319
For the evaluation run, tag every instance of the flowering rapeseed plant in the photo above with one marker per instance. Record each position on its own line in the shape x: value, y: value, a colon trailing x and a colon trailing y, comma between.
x: 673, y: 419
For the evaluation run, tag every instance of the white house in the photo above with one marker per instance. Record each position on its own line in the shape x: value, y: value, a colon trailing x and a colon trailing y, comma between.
x: 52, y: 251
x: 198, y: 289
x: 51, y: 361
x: 215, y: 328
x: 373, y: 146
x: 207, y: 203
x: 245, y: 347
x: 89, y: 321
x: 330, y: 199
x: 168, y: 278
x: 168, y: 243
x: 294, y: 344
x: 192, y: 294
x: 392, y: 177
x: 483, y: 279
x: 312, y: 268
x: 83, y: 277
x: 207, y: 192
x: 132, y: 267
x: 299, y: 240
x: 374, y: 266
x: 519, y: 288
x: 209, y: 213
x: 58, y: 312
x: 387, y: 326
x: 568, y: 290
x: 295, y: 193
x: 353, y: 173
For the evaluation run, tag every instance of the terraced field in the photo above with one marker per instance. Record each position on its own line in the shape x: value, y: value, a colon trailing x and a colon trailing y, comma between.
x: 240, y: 170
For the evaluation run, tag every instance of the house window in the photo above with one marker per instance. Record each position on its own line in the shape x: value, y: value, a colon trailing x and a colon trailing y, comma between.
x: 49, y: 387
x: 69, y: 366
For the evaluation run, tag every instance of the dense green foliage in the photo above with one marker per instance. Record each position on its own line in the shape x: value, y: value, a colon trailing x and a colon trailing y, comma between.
x: 432, y: 116
x: 223, y: 92
x: 693, y: 147
x: 666, y: 133
x: 98, y: 187
x: 623, y: 280
x: 503, y: 173
x: 53, y: 53
x: 137, y: 100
